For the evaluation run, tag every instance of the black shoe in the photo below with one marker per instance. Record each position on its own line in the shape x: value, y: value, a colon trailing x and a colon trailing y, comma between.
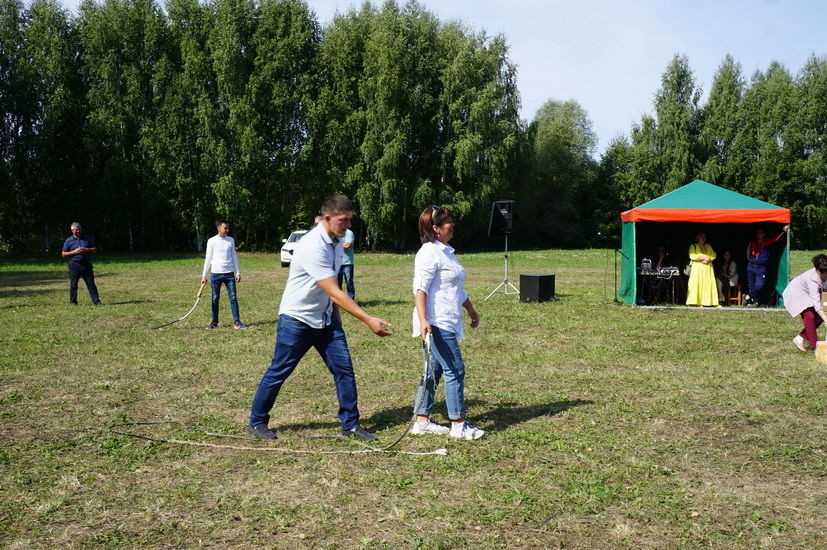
x: 98, y: 303
x: 261, y: 431
x: 73, y: 303
x: 360, y: 433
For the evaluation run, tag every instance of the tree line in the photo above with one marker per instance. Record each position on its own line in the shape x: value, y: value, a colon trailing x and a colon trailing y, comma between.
x: 145, y: 122
x: 765, y: 137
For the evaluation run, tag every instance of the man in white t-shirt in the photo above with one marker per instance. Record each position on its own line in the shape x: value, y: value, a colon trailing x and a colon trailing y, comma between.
x: 222, y: 261
x: 309, y: 317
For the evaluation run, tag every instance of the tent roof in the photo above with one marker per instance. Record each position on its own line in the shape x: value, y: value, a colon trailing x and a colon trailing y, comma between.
x: 704, y: 202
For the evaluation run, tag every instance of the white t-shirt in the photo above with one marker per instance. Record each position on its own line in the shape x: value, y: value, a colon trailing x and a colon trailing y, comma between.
x: 316, y: 257
x: 221, y: 256
x: 438, y: 273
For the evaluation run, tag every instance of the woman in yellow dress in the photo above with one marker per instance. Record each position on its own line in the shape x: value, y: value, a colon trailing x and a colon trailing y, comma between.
x: 702, y: 289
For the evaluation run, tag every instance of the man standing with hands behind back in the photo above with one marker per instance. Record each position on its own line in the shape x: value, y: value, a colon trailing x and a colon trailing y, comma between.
x: 222, y: 261
x: 79, y: 249
x: 309, y: 316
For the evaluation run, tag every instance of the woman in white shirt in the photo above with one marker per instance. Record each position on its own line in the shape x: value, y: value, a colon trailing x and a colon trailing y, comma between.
x: 439, y: 296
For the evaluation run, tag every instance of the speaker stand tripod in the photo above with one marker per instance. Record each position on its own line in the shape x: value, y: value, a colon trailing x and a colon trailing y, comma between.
x: 505, y: 284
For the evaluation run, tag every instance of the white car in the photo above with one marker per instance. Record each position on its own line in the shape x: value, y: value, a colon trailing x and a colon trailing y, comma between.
x: 290, y: 245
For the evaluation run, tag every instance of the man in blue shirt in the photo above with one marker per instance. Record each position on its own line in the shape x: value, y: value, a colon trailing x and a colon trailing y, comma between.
x: 79, y: 249
x: 346, y: 271
x: 309, y: 317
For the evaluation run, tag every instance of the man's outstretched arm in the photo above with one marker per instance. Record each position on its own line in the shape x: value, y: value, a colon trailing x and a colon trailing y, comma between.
x: 342, y: 300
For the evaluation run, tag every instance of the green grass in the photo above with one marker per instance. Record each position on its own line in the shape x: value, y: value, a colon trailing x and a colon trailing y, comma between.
x: 606, y: 426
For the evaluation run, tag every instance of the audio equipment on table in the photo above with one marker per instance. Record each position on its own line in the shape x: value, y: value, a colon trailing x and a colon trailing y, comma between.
x: 662, y: 272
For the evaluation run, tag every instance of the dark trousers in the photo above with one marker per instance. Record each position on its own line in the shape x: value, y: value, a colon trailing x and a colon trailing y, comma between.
x: 346, y: 273
x: 812, y: 321
x: 216, y: 281
x: 293, y: 340
x: 756, y: 277
x: 77, y: 271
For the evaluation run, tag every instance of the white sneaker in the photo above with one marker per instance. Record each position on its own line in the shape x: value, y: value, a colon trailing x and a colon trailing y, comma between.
x: 429, y: 427
x: 465, y: 430
x: 799, y: 343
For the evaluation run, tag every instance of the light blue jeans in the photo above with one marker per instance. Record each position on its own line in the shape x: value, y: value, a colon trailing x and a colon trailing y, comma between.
x: 446, y: 362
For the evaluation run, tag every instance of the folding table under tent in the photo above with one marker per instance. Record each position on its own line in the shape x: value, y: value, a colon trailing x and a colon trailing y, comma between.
x: 729, y: 219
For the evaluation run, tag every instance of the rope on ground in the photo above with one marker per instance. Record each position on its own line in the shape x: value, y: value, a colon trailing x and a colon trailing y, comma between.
x: 187, y: 314
x: 368, y: 448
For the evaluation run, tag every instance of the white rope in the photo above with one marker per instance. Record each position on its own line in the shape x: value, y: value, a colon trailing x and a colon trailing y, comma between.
x: 368, y: 448
x: 197, y: 299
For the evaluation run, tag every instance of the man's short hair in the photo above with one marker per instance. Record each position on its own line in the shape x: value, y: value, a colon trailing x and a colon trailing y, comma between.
x: 219, y: 222
x: 75, y: 224
x: 336, y: 204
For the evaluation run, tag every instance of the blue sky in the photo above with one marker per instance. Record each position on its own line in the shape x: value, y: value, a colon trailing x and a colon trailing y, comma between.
x: 609, y: 54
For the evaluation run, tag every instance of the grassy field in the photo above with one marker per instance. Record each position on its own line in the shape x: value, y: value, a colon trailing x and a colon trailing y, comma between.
x: 606, y: 426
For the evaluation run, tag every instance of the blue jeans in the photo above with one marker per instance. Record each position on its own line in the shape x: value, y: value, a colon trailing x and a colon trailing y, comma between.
x: 229, y: 280
x: 293, y: 340
x: 446, y: 361
x: 346, y: 273
x: 77, y: 271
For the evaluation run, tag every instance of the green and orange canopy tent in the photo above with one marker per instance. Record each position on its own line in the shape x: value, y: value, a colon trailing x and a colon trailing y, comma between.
x: 729, y: 218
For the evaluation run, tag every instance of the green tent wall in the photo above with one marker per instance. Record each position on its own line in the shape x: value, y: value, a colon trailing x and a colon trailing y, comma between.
x: 698, y: 202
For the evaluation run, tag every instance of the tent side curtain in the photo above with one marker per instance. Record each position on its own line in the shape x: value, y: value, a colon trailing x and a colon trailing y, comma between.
x: 780, y: 215
x: 627, y: 291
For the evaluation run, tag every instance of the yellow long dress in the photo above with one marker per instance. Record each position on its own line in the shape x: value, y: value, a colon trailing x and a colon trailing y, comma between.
x: 702, y: 289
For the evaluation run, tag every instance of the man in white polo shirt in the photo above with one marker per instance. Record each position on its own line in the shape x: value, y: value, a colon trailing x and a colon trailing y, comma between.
x: 309, y: 317
x: 222, y: 261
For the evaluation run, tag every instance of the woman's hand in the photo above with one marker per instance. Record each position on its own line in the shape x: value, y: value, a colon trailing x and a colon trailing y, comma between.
x: 475, y: 319
x: 424, y: 329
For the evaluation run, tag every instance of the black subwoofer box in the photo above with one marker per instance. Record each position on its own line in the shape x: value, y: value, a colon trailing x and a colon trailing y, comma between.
x: 536, y: 287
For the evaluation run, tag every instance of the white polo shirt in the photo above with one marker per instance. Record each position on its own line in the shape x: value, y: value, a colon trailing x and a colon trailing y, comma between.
x: 316, y: 257
x: 438, y: 273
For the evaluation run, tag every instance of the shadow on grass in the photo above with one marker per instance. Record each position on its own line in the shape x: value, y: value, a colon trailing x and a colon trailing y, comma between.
x: 24, y: 293
x: 270, y: 323
x: 497, y: 416
x: 301, y: 426
x: 127, y: 302
x: 503, y: 415
x: 29, y: 278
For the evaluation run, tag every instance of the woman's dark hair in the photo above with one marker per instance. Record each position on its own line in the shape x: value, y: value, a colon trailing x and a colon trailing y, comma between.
x: 431, y: 216
x: 820, y: 263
